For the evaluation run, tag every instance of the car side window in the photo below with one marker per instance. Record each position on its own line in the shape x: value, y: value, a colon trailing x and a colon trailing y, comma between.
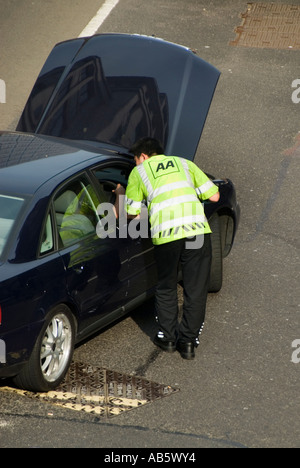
x: 47, y: 244
x: 109, y: 176
x: 76, y: 211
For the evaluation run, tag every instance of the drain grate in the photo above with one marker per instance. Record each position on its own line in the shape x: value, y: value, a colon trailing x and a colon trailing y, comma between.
x: 102, y: 392
x: 269, y: 25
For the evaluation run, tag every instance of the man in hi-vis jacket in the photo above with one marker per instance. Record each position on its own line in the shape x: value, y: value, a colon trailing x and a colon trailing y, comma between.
x: 173, y: 189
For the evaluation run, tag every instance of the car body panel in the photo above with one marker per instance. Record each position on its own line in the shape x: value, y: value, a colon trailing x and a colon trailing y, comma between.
x: 116, y: 88
x: 27, y: 291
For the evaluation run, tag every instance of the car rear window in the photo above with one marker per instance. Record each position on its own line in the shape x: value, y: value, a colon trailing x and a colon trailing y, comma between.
x: 10, y: 208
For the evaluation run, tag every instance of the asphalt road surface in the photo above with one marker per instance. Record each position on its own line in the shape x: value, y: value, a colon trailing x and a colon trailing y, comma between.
x: 242, y: 390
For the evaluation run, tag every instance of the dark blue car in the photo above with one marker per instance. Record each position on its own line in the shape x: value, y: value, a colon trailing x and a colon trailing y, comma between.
x: 60, y: 280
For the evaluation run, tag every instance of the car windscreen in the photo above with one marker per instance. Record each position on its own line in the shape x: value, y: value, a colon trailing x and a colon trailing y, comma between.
x: 10, y: 208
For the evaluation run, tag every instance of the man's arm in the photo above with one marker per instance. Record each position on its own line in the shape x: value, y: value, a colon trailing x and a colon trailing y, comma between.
x: 119, y: 208
x: 205, y: 188
x: 135, y: 195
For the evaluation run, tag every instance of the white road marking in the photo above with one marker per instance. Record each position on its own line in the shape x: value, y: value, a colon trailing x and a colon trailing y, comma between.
x: 99, y: 18
x: 2, y: 92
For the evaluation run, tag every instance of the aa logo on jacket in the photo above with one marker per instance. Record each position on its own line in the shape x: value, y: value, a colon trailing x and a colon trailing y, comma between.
x: 161, y: 168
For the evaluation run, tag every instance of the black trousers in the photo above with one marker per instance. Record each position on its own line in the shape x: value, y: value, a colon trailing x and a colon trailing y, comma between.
x: 195, y: 264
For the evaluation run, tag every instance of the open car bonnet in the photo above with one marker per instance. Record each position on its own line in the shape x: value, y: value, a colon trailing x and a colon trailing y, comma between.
x: 117, y: 88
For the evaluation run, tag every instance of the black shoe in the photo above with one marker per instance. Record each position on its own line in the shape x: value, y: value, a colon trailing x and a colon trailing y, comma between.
x: 165, y: 345
x: 186, y: 350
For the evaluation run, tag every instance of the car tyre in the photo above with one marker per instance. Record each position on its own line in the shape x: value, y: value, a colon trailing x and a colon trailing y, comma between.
x: 216, y: 271
x: 52, y: 353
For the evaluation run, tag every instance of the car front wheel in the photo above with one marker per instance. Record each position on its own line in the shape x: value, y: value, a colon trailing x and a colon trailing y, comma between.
x: 52, y: 353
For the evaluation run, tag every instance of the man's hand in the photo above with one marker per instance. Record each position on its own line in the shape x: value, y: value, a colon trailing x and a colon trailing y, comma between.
x: 119, y: 191
x: 215, y: 198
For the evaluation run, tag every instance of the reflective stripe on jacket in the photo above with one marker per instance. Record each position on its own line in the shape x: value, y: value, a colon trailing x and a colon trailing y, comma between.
x: 172, y: 188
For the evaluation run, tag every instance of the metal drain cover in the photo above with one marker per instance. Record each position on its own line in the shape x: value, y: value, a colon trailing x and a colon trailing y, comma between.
x: 102, y: 392
x: 269, y: 25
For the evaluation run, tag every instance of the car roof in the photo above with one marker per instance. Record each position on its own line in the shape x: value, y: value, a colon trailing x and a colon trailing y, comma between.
x: 28, y: 161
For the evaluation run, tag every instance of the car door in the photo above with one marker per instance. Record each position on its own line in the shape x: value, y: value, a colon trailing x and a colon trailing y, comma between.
x: 141, y: 262
x: 132, y: 234
x: 96, y: 269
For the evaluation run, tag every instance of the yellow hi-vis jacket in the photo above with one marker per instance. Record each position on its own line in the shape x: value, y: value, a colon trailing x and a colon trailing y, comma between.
x: 173, y: 189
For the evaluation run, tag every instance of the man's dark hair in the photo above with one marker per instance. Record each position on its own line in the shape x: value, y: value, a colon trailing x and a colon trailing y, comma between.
x: 149, y: 146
